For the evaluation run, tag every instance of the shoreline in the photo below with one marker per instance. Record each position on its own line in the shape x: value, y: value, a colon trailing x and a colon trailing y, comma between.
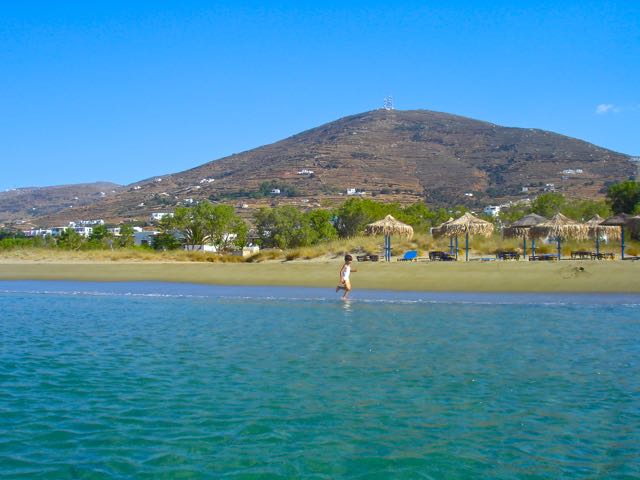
x: 514, y: 277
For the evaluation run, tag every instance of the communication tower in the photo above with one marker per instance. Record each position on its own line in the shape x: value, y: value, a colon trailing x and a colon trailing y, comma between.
x: 388, y: 103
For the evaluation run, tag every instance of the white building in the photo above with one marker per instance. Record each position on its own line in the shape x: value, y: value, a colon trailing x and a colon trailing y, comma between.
x: 83, y: 231
x: 37, y: 232
x: 247, y: 251
x: 275, y: 191
x: 305, y: 171
x: 200, y: 248
x: 492, y: 210
x: 87, y: 223
x: 351, y: 191
x: 157, y: 216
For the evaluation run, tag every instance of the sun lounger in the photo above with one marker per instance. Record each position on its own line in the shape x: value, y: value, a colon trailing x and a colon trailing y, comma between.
x: 437, y: 256
x: 506, y: 255
x: 409, y: 256
x: 547, y: 257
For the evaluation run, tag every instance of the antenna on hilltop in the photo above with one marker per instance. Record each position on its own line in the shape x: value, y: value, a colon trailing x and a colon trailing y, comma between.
x: 388, y: 103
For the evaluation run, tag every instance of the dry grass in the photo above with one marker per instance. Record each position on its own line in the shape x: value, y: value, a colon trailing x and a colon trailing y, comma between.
x: 334, y: 249
x: 120, y: 255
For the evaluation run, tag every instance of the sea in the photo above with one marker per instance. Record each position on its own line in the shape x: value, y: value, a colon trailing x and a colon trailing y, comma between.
x: 178, y: 381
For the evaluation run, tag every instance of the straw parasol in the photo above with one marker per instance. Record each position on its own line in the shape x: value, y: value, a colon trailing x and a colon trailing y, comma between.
x: 389, y: 226
x: 597, y: 230
x: 439, y: 232
x: 621, y: 220
x: 467, y: 224
x: 522, y: 227
x: 560, y: 228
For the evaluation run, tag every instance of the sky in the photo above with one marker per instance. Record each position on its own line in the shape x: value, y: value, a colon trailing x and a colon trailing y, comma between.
x: 122, y: 91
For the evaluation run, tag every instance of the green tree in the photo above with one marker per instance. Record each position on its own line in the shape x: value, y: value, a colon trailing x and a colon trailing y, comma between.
x: 515, y: 212
x: 127, y: 236
x: 418, y: 216
x: 548, y: 204
x: 165, y: 241
x: 321, y: 226
x: 282, y: 227
x: 70, y: 239
x: 206, y: 223
x: 624, y: 197
x: 190, y: 222
x: 224, y: 228
x: 354, y: 214
x: 100, y: 237
x: 584, y: 209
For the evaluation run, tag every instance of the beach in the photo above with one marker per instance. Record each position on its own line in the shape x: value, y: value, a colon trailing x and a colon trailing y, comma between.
x: 497, y: 276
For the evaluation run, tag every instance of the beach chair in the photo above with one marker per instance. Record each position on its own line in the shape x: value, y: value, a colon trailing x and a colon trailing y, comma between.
x: 409, y: 256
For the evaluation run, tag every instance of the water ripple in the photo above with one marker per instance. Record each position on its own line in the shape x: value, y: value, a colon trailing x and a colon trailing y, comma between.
x: 126, y: 386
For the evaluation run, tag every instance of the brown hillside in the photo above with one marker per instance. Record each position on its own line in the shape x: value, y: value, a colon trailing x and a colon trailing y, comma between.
x: 393, y: 155
x: 24, y: 204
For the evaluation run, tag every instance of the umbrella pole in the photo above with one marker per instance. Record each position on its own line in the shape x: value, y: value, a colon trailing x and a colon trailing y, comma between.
x: 524, y: 245
x: 456, y: 248
x: 622, y: 242
x: 451, y: 246
x: 558, y: 248
x: 597, y: 244
x: 533, y: 247
x: 387, y: 248
x: 466, y: 247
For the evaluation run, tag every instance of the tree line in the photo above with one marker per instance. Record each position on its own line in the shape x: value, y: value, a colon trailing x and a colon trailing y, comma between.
x: 289, y: 227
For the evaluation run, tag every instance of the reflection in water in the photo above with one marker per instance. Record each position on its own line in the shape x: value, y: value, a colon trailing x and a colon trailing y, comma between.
x: 346, y: 306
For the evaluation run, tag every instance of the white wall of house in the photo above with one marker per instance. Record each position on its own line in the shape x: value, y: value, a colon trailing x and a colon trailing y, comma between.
x: 492, y: 210
x: 200, y: 248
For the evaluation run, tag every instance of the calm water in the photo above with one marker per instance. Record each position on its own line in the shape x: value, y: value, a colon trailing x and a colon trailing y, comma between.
x: 196, y: 382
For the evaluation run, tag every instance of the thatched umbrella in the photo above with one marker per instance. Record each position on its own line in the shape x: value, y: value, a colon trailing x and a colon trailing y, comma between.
x: 389, y: 226
x: 597, y: 230
x: 560, y: 228
x: 621, y: 220
x: 439, y: 232
x: 522, y: 227
x: 467, y: 224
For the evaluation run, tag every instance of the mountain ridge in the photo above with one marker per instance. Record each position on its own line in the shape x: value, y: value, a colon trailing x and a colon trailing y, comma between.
x: 406, y: 156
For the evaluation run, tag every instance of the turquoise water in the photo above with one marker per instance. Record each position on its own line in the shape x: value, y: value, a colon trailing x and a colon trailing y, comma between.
x: 161, y: 381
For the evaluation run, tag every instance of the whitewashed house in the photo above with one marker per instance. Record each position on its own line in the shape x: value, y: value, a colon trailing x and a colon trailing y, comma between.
x: 200, y: 248
x: 493, y: 210
x: 157, y: 216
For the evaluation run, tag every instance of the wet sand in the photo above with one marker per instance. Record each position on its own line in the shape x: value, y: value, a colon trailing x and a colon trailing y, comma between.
x: 565, y: 276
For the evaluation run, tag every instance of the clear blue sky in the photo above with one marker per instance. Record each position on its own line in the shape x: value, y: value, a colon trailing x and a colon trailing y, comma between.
x: 123, y: 90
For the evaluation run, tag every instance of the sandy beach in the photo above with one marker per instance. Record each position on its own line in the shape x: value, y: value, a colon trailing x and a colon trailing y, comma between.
x: 566, y: 276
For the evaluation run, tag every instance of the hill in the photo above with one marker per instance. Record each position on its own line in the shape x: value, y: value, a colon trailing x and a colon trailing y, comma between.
x: 25, y: 204
x: 393, y: 155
